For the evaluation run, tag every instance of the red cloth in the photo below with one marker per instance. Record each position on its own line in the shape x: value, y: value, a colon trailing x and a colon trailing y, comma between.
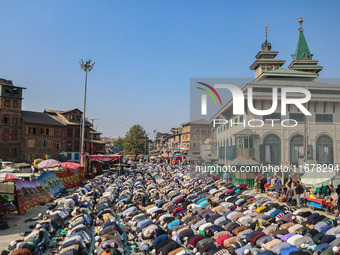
x: 22, y: 252
x: 177, y: 210
x: 255, y: 237
x: 227, y: 191
x: 244, y: 186
x: 221, y: 239
x: 179, y: 200
x: 319, y: 201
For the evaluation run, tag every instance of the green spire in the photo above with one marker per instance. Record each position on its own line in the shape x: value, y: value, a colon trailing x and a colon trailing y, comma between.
x: 302, y: 50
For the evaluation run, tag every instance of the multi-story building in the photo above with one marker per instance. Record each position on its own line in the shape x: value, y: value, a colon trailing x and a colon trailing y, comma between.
x: 10, y: 117
x: 27, y: 135
x: 174, y: 141
x: 161, y: 145
x: 72, y: 120
x: 314, y: 138
x: 186, y: 139
x: 42, y: 136
x: 194, y: 134
x: 98, y: 145
x: 185, y: 144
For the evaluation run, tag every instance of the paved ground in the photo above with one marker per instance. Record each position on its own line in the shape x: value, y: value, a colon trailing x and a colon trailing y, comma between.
x: 17, y: 225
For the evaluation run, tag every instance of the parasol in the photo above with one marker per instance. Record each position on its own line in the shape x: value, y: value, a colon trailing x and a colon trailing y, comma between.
x: 47, y: 163
x: 7, y: 177
x: 67, y: 165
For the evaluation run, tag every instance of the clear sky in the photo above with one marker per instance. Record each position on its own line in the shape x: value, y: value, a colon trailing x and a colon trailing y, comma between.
x: 146, y: 51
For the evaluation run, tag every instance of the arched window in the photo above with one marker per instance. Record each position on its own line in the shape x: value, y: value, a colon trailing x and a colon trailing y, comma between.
x: 296, y: 149
x: 324, y: 150
x: 271, y: 150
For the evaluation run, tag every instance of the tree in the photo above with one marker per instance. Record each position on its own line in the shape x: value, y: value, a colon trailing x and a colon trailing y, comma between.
x: 158, y: 135
x: 120, y: 143
x: 135, y: 140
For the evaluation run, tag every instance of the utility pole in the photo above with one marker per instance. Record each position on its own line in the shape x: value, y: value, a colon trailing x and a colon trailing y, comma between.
x: 86, y: 67
x: 154, y: 141
x: 146, y: 141
x: 92, y: 135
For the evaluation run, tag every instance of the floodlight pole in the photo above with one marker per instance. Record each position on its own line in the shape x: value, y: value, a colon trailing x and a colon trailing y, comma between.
x: 86, y: 66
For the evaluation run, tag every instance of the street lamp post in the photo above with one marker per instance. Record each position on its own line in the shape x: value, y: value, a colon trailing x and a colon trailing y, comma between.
x: 154, y: 141
x: 86, y: 66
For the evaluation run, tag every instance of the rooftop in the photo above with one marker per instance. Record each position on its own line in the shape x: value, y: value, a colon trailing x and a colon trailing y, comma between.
x: 244, y: 162
x: 245, y: 132
x: 197, y: 122
x: 39, y: 118
x: 59, y: 116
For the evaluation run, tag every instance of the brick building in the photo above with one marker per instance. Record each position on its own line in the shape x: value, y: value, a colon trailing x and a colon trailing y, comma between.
x: 98, y: 146
x: 72, y: 120
x: 42, y: 136
x: 10, y: 120
x: 194, y: 134
x: 27, y: 135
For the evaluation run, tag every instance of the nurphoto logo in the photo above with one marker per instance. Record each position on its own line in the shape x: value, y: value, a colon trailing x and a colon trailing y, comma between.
x: 289, y: 96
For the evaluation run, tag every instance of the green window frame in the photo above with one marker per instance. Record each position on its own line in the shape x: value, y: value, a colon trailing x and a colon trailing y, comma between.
x: 296, y: 148
x: 324, y: 150
x: 272, y: 145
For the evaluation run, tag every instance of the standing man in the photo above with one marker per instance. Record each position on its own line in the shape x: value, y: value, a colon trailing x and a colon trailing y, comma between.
x: 263, y: 182
x: 290, y: 194
x: 298, y: 190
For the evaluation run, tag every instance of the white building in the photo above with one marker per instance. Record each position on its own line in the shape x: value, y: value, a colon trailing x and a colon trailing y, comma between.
x: 318, y: 134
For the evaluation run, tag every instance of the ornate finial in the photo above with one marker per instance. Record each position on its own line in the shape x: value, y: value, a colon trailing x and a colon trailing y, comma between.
x: 300, y: 21
x: 266, y: 46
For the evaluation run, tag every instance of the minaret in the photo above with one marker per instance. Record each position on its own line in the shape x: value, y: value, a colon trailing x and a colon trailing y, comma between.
x: 265, y: 59
x: 303, y: 59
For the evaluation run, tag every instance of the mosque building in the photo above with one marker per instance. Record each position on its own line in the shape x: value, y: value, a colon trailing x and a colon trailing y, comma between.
x: 314, y: 138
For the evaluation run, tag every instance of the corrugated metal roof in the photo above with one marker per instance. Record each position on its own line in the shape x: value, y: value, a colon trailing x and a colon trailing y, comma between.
x: 39, y: 118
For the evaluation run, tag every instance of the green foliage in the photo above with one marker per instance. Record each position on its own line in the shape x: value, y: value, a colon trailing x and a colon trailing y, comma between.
x: 135, y: 140
x: 120, y: 143
x: 158, y: 135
